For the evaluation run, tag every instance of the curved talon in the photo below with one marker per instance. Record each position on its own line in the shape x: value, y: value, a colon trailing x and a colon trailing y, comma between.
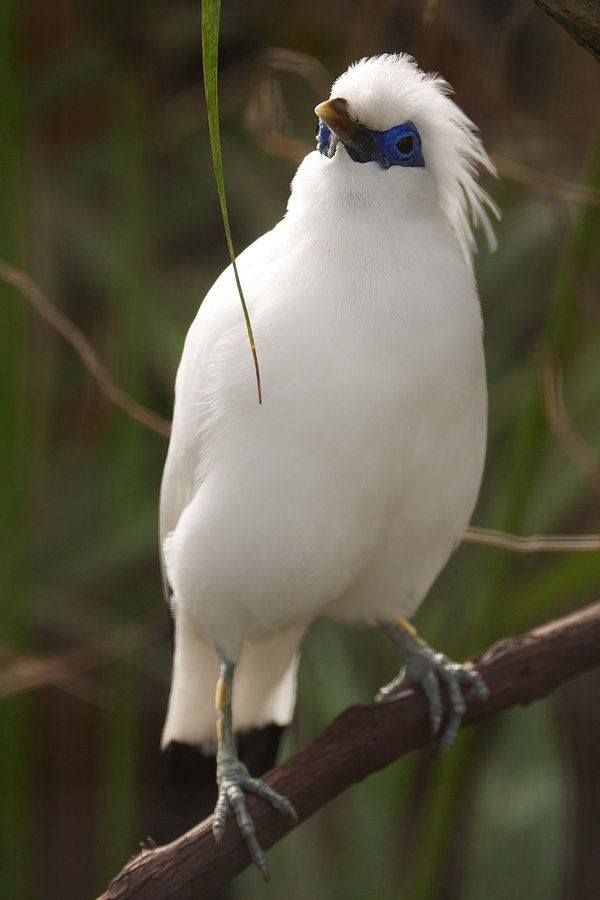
x: 232, y: 786
x: 455, y: 676
x: 220, y: 817
x: 235, y: 795
x: 477, y: 683
x: 430, y: 685
x: 391, y: 688
x: 281, y: 804
x: 451, y: 675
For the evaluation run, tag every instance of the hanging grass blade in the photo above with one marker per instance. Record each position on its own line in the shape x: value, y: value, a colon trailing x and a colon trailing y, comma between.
x: 211, y: 12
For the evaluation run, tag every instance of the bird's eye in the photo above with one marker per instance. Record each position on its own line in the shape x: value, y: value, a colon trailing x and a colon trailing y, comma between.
x: 406, y: 145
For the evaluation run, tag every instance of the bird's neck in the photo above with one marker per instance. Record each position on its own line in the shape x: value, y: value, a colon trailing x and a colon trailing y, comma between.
x: 330, y: 193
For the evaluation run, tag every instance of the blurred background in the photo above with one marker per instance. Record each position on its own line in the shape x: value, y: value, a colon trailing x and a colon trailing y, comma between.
x: 108, y: 201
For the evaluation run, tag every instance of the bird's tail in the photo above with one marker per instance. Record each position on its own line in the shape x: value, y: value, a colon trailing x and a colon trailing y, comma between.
x: 264, y: 695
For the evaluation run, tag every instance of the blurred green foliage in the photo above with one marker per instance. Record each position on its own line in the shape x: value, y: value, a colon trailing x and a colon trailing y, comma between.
x: 108, y: 199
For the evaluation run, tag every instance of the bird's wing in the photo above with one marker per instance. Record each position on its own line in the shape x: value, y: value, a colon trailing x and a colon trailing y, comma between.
x: 179, y: 482
x: 175, y: 493
x: 219, y: 311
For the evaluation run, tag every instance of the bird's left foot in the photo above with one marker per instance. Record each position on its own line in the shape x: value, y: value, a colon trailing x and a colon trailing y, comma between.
x: 429, y: 669
x: 234, y: 780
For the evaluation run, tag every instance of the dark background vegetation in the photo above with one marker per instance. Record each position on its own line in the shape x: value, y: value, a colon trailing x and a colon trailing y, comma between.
x: 107, y: 199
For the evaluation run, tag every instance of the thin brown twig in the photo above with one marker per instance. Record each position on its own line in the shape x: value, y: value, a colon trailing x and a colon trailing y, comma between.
x: 20, y: 672
x: 486, y: 536
x: 307, y: 66
x: 532, y: 543
x: 28, y: 672
x: 544, y: 183
x: 567, y: 435
x: 82, y: 347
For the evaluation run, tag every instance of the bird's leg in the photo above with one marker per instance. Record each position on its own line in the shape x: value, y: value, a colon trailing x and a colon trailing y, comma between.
x: 426, y: 667
x: 234, y: 779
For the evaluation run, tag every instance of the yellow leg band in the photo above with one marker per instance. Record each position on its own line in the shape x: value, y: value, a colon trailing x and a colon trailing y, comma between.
x: 406, y: 626
x: 222, y: 694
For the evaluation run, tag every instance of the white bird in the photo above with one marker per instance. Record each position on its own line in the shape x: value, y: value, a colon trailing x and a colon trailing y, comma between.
x: 346, y: 491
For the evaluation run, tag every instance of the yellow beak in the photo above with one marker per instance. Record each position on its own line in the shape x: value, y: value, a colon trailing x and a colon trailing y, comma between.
x: 335, y: 115
x: 357, y: 139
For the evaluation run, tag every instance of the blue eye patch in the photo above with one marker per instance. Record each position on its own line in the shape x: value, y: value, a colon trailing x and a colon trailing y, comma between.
x: 399, y: 146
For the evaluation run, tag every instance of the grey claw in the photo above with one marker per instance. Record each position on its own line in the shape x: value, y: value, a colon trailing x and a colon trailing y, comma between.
x: 289, y: 810
x: 398, y: 682
x: 281, y: 804
x: 231, y: 796
x: 431, y: 687
x: 428, y: 669
x: 475, y: 682
x: 479, y: 686
x: 442, y: 747
x: 451, y: 675
x: 220, y: 817
x: 262, y: 865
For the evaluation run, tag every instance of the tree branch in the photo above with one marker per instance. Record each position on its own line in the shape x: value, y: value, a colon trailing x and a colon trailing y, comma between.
x: 580, y: 18
x: 84, y: 350
x: 362, y: 740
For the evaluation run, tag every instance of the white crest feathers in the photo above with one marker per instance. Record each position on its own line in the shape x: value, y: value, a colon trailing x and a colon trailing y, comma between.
x: 383, y: 91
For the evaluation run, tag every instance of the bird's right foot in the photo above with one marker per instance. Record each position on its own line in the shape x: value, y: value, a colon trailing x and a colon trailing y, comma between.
x: 430, y: 669
x: 234, y: 780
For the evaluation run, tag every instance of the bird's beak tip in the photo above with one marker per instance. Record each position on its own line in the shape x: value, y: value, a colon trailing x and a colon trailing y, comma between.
x: 334, y: 113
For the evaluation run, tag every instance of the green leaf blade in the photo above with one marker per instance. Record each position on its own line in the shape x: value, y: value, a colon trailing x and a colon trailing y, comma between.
x: 211, y: 12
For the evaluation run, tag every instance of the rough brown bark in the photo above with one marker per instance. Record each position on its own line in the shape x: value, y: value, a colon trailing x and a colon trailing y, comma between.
x: 581, y: 18
x: 362, y: 740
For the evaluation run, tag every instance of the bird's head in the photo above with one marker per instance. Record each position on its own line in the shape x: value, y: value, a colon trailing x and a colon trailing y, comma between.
x: 389, y: 121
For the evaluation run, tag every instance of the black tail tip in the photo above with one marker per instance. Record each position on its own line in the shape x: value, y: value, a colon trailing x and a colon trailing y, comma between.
x: 189, y: 777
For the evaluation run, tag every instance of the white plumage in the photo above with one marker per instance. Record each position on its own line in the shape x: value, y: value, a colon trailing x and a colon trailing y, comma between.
x: 346, y: 491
